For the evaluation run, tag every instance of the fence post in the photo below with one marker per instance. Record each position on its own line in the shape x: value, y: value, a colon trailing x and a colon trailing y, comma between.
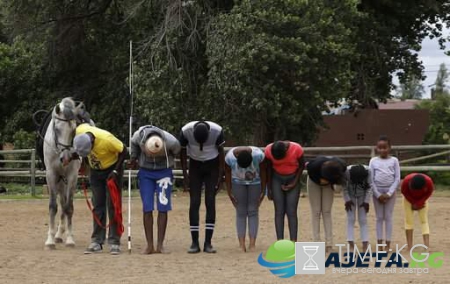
x: 33, y: 172
x: 372, y: 152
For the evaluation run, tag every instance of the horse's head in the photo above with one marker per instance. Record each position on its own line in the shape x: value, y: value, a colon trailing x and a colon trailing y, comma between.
x: 64, y: 125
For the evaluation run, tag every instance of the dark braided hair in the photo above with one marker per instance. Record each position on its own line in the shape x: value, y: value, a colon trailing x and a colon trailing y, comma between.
x: 358, y: 177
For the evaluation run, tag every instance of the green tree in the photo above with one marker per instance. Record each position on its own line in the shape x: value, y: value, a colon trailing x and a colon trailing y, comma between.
x: 85, y: 53
x: 441, y: 80
x: 273, y: 64
x: 172, y: 70
x: 439, y: 109
x: 294, y: 58
x: 388, y: 35
x: 412, y: 89
x: 20, y: 87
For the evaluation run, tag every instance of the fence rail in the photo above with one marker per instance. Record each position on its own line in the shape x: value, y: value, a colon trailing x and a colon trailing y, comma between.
x: 32, y: 173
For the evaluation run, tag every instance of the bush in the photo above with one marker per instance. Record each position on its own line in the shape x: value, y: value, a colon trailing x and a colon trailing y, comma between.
x: 23, y: 139
x: 441, y: 178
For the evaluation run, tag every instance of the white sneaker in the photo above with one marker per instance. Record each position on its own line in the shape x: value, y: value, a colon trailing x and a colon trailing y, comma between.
x: 93, y: 248
x: 115, y: 249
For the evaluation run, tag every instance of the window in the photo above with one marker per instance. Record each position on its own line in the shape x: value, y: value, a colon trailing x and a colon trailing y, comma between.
x: 360, y: 136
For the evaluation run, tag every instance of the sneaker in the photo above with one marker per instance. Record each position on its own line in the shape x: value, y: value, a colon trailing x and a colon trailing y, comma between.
x: 93, y: 248
x: 195, y: 248
x: 115, y: 249
x: 208, y: 248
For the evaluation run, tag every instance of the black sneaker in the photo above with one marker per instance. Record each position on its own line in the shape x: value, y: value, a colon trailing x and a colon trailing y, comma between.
x: 195, y: 248
x: 93, y: 248
x: 208, y: 248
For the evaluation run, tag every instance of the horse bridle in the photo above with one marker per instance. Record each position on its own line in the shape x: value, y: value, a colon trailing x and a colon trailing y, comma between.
x: 55, y: 135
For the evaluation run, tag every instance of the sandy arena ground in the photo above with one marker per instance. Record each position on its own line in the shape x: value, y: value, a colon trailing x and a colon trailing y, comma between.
x: 23, y: 230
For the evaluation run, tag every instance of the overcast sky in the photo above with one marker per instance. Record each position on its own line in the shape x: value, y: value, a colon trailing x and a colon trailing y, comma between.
x: 432, y: 57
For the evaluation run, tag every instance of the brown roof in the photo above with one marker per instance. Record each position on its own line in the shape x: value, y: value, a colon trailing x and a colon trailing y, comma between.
x: 403, y: 127
x: 398, y: 104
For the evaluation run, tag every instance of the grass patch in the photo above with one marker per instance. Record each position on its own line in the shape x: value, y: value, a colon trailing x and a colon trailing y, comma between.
x: 23, y: 192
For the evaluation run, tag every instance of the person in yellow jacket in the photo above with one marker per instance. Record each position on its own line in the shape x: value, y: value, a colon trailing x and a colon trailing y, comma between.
x: 105, y: 154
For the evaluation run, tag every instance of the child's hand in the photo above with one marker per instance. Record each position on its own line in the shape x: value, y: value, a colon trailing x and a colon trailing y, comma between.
x: 348, y: 205
x: 365, y: 206
x: 233, y: 200
x: 383, y: 198
x: 269, y: 194
x: 324, y: 182
x: 132, y: 164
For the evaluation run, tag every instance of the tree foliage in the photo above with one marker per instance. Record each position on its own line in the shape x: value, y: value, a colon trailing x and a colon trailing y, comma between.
x: 20, y: 86
x: 439, y: 108
x: 412, y: 89
x: 440, y: 85
x: 263, y: 69
x: 276, y: 63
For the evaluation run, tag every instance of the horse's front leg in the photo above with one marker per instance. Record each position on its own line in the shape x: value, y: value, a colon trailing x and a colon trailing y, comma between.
x: 53, y: 209
x: 62, y: 221
x: 68, y: 208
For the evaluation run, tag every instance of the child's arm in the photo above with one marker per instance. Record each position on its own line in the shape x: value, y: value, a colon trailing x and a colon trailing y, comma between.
x: 376, y: 193
x: 397, y: 176
x: 426, y: 195
x: 263, y: 177
x: 269, y: 179
x: 228, y: 184
x: 345, y: 193
x: 135, y: 149
x: 369, y: 190
x: 405, y: 189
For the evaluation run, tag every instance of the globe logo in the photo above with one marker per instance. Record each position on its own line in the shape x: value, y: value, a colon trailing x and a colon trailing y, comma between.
x: 280, y: 258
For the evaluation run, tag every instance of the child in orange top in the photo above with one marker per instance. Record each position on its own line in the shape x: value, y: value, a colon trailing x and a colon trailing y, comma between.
x: 285, y: 167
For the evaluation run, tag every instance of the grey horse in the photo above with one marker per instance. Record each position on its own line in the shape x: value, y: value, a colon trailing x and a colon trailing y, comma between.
x: 61, y: 169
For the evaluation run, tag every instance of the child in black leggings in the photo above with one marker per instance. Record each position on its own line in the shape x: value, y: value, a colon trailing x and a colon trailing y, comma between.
x: 203, y: 142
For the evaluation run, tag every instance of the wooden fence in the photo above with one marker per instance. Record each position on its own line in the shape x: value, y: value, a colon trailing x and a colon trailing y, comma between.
x: 32, y: 173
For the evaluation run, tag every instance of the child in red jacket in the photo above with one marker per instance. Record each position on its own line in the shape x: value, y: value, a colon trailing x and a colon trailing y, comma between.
x: 416, y: 190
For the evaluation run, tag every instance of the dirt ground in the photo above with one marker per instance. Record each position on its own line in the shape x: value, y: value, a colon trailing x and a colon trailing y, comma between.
x: 23, y: 230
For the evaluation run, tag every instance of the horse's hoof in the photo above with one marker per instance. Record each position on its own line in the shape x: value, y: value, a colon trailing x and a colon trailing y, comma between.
x: 70, y: 245
x: 50, y: 247
x: 58, y: 240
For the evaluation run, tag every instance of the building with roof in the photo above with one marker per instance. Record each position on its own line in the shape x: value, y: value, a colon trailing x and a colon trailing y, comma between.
x: 397, y: 119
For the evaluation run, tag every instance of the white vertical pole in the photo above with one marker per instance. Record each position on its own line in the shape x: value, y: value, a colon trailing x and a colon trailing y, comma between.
x: 129, y: 144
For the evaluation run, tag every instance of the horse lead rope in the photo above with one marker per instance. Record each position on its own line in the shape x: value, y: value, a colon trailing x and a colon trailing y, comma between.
x: 116, y: 202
